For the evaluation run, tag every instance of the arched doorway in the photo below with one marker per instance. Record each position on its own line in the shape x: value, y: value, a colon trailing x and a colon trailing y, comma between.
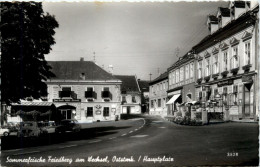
x: 66, y: 111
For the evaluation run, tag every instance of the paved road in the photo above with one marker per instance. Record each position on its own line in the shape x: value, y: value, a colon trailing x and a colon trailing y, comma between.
x: 157, y: 143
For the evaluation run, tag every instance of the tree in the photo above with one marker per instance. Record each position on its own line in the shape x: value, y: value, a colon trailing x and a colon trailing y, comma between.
x: 26, y: 36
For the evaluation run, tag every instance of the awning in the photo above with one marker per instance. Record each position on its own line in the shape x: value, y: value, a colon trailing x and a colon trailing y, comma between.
x: 173, y: 99
x: 193, y: 102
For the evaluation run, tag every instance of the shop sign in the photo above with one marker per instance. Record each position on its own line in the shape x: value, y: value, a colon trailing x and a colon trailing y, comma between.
x: 223, y: 83
x: 247, y: 79
x: 66, y: 100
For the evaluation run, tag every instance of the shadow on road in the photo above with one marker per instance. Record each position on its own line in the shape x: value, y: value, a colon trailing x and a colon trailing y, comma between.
x: 13, y: 142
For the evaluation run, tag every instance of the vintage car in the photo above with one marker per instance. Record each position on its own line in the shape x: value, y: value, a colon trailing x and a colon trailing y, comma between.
x: 47, y: 127
x: 68, y: 125
x: 4, y: 131
x: 29, y: 129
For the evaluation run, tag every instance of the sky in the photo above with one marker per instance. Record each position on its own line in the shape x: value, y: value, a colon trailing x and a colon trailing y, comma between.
x: 136, y: 38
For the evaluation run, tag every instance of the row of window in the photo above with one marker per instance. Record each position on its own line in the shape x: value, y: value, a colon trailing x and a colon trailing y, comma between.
x: 216, y: 62
x: 158, y: 103
x: 159, y: 87
x: 89, y: 112
x: 178, y: 74
x: 133, y: 99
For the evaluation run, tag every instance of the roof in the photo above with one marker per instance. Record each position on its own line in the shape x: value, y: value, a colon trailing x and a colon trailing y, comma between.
x: 160, y: 78
x: 187, y: 57
x: 129, y: 83
x: 74, y: 70
x: 33, y: 104
x: 144, y: 85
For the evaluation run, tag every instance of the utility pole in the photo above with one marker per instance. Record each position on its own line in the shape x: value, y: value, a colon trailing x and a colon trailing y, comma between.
x: 150, y: 77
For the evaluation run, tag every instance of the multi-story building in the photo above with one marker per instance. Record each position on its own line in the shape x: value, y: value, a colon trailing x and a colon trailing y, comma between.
x: 181, y: 77
x: 130, y: 95
x: 227, y: 61
x: 144, y: 87
x: 158, y: 95
x: 82, y: 90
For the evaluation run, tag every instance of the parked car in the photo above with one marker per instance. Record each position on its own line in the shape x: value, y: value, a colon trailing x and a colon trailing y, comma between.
x: 48, y: 127
x: 4, y: 131
x: 68, y: 125
x: 29, y: 129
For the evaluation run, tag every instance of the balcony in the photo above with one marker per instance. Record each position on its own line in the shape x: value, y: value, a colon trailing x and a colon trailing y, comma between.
x: 67, y: 94
x: 106, y: 95
x: 235, y: 70
x: 90, y: 95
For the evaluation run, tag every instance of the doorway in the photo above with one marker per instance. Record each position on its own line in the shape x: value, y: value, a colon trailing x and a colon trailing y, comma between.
x: 247, y: 102
x: 66, y: 114
x: 128, y: 109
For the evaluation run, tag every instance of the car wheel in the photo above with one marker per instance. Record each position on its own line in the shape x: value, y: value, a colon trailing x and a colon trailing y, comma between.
x: 6, y: 133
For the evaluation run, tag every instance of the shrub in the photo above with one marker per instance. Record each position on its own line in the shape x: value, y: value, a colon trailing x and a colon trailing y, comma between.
x: 187, y: 114
x: 198, y: 115
x: 178, y: 119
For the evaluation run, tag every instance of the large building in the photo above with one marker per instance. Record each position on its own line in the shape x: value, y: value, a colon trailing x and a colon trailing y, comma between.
x: 158, y: 95
x: 130, y: 95
x: 181, y: 90
x: 82, y: 90
x: 227, y: 61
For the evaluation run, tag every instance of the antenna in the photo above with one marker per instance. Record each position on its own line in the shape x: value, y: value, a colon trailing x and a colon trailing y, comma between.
x: 177, y: 51
x: 150, y: 77
x: 94, y: 57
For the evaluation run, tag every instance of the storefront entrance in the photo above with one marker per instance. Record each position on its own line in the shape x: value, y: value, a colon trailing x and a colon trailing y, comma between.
x: 66, y: 111
x: 247, y: 101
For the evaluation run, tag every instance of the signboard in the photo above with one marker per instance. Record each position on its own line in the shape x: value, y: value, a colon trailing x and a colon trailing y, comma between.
x: 223, y: 83
x: 66, y: 100
x: 247, y: 79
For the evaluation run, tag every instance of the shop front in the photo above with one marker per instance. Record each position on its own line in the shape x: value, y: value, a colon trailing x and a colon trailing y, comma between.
x: 174, y: 100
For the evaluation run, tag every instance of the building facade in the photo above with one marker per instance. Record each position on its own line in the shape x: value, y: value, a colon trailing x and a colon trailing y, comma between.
x: 130, y: 95
x: 144, y: 87
x: 227, y: 61
x: 181, y: 77
x: 82, y: 90
x: 158, y: 95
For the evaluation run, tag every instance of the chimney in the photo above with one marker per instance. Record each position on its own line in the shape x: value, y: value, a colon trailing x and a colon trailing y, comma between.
x: 110, y: 69
x: 82, y: 59
x: 82, y: 76
x: 212, y: 24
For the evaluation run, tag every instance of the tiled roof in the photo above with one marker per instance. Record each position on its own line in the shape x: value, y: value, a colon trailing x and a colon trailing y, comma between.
x: 144, y: 85
x: 160, y: 78
x: 33, y: 104
x: 129, y: 83
x: 72, y: 70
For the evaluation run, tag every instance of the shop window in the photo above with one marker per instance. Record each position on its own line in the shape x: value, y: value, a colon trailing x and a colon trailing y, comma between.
x: 159, y: 103
x: 106, y: 112
x: 90, y: 112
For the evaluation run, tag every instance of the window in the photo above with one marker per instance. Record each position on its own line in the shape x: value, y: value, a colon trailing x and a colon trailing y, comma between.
x: 161, y: 86
x: 215, y: 91
x: 152, y: 104
x: 235, y: 96
x: 191, y: 70
x: 177, y: 75
x: 133, y: 99
x: 225, y: 61
x: 164, y: 85
x: 164, y: 102
x: 207, y: 65
x: 200, y: 69
x: 181, y: 73
x: 89, y: 92
x: 234, y: 59
x: 106, y: 93
x: 247, y: 53
x: 225, y: 94
x: 159, y: 103
x: 106, y: 111
x: 90, y: 112
x: 123, y: 99
x: 170, y: 79
x: 187, y: 69
x: 173, y: 77
x: 215, y: 64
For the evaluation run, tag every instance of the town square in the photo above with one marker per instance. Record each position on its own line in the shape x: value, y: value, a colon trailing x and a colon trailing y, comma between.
x: 130, y: 83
